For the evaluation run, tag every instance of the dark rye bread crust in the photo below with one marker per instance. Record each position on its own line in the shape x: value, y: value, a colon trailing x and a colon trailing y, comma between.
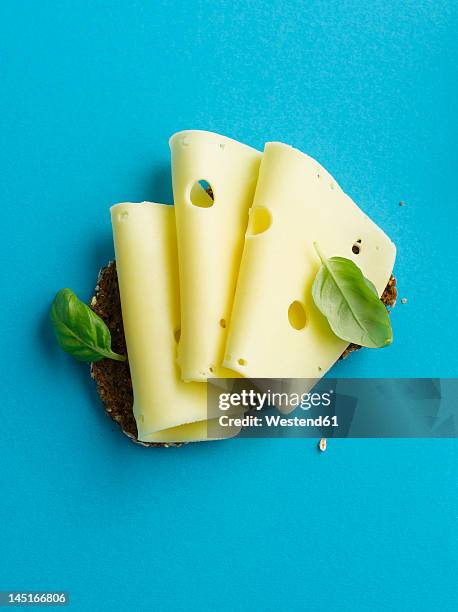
x: 112, y: 378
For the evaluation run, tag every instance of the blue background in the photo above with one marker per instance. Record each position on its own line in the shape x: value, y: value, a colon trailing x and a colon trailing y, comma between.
x: 90, y: 92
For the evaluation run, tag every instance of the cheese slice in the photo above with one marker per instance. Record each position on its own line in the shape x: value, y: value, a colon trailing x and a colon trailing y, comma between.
x: 276, y: 331
x: 193, y: 432
x: 165, y: 408
x: 210, y: 241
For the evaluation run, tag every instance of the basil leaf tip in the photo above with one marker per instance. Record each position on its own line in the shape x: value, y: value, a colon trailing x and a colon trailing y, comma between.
x: 79, y: 331
x: 350, y: 303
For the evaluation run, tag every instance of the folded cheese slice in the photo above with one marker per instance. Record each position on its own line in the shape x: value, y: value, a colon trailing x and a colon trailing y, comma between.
x: 165, y: 408
x: 210, y: 229
x: 276, y: 331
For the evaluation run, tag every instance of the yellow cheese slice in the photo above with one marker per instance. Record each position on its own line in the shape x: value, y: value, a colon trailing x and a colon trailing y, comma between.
x: 193, y: 432
x: 210, y: 241
x: 165, y: 408
x: 276, y: 329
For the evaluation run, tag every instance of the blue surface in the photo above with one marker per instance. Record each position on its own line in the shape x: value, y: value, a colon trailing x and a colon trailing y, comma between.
x: 89, y: 94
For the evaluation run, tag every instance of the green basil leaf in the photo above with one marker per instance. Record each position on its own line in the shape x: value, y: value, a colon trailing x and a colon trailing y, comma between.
x: 350, y: 303
x: 79, y: 331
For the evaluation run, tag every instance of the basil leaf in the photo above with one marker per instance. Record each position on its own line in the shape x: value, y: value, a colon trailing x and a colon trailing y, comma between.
x: 350, y: 303
x: 79, y: 331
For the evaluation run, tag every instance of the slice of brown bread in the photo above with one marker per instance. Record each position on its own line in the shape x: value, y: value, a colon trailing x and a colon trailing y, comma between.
x: 112, y: 378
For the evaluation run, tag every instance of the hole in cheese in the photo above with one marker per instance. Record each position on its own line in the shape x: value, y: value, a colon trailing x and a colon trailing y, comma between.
x: 242, y: 362
x: 177, y: 334
x: 296, y: 315
x: 201, y: 194
x: 356, y: 248
x: 260, y: 220
x: 222, y: 322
